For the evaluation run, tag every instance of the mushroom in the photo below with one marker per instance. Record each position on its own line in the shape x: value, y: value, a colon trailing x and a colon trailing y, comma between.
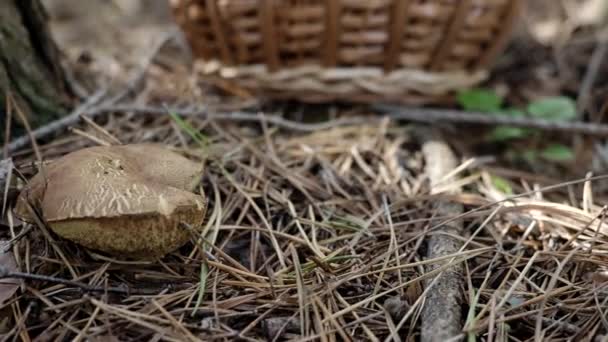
x: 129, y: 200
x: 164, y: 166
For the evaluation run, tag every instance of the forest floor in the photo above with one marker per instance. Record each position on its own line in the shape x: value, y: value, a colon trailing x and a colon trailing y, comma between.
x: 319, y: 230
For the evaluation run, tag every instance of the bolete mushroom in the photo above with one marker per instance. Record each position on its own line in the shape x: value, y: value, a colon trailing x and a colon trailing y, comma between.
x: 129, y: 200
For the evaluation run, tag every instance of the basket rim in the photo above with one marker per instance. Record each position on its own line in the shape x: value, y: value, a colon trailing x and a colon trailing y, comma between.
x: 343, y: 80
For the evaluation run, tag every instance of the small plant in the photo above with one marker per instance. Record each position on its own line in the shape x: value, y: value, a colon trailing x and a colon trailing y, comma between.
x: 209, y: 233
x: 557, y: 108
x: 195, y: 134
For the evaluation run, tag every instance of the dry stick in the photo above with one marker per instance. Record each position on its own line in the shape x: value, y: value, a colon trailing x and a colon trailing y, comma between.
x: 393, y: 112
x: 88, y: 136
x: 6, y: 273
x: 597, y: 58
x: 456, y: 116
x: 111, y: 139
x: 211, y: 114
x: 55, y: 126
x: 441, y: 314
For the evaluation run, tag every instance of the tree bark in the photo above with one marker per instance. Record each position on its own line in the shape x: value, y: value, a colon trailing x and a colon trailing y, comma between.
x: 30, y: 67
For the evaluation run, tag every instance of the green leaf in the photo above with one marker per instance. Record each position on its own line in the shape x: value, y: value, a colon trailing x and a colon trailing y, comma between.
x: 502, y: 185
x: 482, y: 100
x: 557, y: 153
x: 502, y: 133
x: 529, y: 155
x: 558, y: 108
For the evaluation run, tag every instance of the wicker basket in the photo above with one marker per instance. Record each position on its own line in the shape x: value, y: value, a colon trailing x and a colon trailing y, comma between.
x: 407, y: 51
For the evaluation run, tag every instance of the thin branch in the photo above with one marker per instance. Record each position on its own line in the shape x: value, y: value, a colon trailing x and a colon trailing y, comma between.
x: 6, y: 273
x: 392, y: 112
x: 57, y: 125
x: 597, y: 58
x: 441, y: 313
x: 456, y: 116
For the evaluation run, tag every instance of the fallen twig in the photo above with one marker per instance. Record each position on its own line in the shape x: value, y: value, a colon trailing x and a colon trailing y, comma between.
x: 213, y: 114
x: 6, y: 273
x: 441, y: 314
x: 57, y: 125
x: 456, y: 116
x: 392, y: 112
x: 597, y: 58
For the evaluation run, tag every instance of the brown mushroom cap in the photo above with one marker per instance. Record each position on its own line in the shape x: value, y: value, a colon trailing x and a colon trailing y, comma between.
x: 124, y: 200
x: 165, y: 166
x: 151, y: 161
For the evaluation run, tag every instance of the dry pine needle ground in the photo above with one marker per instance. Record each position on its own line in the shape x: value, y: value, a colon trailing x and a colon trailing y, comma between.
x: 318, y: 236
x: 314, y: 236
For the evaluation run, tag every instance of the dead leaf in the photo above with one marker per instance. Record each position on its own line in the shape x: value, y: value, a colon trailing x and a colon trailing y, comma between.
x: 8, y: 286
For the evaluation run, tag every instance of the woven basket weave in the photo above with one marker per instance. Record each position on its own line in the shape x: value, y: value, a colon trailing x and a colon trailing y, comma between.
x: 408, y: 51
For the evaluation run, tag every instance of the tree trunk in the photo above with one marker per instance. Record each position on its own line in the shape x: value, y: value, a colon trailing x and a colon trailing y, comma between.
x: 30, y: 68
